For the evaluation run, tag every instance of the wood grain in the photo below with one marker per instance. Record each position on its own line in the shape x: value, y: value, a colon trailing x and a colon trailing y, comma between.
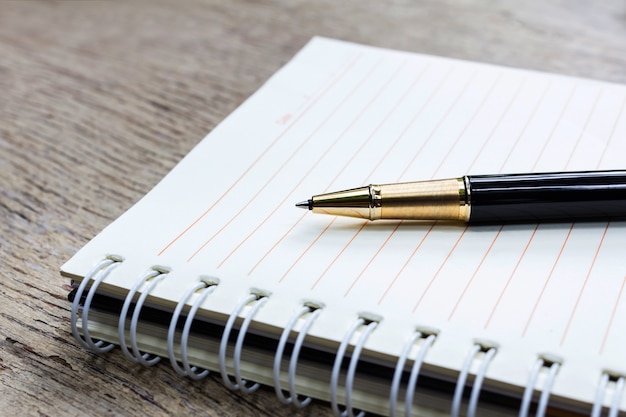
x: 99, y: 100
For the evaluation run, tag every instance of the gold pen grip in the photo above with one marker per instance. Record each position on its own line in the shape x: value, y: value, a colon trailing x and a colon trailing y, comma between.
x: 423, y: 200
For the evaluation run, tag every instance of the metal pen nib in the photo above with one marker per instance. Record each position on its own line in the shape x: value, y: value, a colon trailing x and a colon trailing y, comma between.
x: 306, y: 204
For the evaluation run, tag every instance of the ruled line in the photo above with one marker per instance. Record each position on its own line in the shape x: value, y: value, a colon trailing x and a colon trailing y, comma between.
x: 358, y: 277
x: 531, y: 117
x: 556, y: 124
x: 508, y: 282
x: 314, y: 166
x: 313, y: 102
x: 612, y: 318
x: 271, y: 249
x: 471, y: 280
x: 290, y: 157
x: 307, y: 249
x: 411, y: 123
x: 613, y: 129
x: 477, y: 110
x: 582, y: 131
x: 383, y: 122
x: 545, y: 284
x: 438, y: 125
x: 434, y: 277
x: 497, y: 125
x: 584, y: 286
x: 406, y: 263
x: 319, y: 279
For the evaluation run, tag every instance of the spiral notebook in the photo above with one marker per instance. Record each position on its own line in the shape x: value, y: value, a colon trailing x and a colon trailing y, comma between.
x: 214, y: 270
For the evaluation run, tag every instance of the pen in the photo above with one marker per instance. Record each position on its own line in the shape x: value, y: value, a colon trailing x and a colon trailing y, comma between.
x: 509, y: 198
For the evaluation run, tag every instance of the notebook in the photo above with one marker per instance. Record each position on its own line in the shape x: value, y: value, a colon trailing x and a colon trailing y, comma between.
x: 215, y: 270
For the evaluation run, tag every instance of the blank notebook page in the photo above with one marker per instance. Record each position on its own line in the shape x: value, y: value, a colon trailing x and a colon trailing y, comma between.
x: 341, y: 115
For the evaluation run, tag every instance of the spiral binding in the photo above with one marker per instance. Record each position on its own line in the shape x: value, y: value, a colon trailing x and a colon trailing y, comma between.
x: 184, y: 338
x: 204, y: 288
x: 420, y: 341
x: 312, y: 312
x: 121, y: 326
x: 489, y: 351
x: 428, y: 339
x: 153, y: 276
x: 370, y: 325
x: 552, y: 363
x: 605, y: 379
x: 98, y: 273
x: 240, y: 383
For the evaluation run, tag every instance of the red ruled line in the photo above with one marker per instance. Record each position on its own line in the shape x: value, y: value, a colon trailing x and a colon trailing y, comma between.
x: 419, y: 245
x: 582, y: 289
x: 556, y: 124
x: 411, y: 123
x: 582, y: 131
x: 313, y: 102
x: 383, y: 121
x: 469, y: 283
x: 497, y: 125
x: 612, y: 318
x: 358, y: 277
x: 469, y: 123
x: 545, y: 284
x: 288, y: 159
x: 530, y: 118
x: 319, y: 279
x: 434, y: 278
x: 438, y: 125
x: 613, y: 129
x: 306, y: 250
x: 271, y: 249
x: 513, y: 273
x: 315, y: 165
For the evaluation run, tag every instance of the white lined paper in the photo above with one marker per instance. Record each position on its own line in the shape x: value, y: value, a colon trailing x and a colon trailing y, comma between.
x: 343, y: 115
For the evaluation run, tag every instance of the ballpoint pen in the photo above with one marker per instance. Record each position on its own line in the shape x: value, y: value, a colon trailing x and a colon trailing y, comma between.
x: 509, y: 198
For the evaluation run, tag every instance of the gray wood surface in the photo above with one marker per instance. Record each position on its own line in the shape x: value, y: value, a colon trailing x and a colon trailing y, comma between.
x: 98, y: 101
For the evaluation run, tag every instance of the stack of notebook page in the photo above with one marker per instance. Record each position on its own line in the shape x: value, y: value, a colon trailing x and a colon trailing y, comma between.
x: 215, y: 270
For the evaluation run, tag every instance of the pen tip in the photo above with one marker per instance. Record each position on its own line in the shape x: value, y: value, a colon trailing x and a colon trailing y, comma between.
x: 306, y: 204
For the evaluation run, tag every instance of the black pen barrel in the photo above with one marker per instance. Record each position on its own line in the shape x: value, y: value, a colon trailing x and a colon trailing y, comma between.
x: 547, y: 197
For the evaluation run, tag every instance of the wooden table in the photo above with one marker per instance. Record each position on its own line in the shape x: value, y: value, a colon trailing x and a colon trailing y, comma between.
x: 98, y: 101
